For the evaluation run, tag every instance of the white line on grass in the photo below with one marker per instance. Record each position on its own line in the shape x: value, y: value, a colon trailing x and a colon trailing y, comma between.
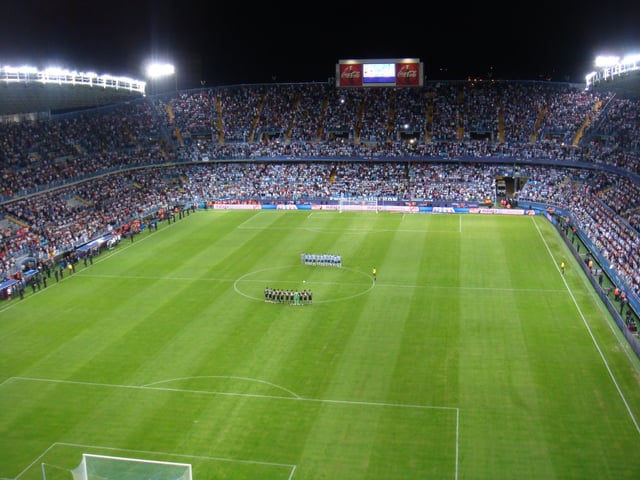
x: 457, y: 437
x: 182, y: 455
x: 379, y: 284
x: 358, y: 231
x: 225, y: 377
x: 104, y: 256
x: 229, y: 394
x: 586, y: 324
x: 121, y: 247
x: 34, y: 461
x: 457, y: 287
x: 622, y: 341
x: 297, y: 282
x: 247, y: 395
x: 250, y: 219
x: 291, y: 467
x: 155, y: 277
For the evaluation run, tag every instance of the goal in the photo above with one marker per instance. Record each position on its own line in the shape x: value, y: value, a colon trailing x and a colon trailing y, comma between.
x: 102, y: 467
x: 358, y: 204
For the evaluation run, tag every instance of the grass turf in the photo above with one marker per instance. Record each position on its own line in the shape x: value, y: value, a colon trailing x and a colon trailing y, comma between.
x: 470, y: 357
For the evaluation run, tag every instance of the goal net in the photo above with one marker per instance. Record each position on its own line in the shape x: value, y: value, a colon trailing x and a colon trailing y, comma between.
x: 101, y: 467
x: 358, y: 204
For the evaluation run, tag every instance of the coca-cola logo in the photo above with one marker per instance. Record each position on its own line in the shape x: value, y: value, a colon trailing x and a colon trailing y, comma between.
x: 407, y: 74
x: 350, y: 75
x: 349, y: 72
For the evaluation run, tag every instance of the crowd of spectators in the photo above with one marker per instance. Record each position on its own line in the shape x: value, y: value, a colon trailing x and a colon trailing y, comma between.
x: 74, y: 176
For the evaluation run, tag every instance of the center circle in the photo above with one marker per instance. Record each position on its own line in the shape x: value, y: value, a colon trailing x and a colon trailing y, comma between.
x: 327, y: 283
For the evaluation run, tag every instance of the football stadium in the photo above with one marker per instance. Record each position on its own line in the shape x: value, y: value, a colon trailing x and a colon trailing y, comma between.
x: 372, y: 277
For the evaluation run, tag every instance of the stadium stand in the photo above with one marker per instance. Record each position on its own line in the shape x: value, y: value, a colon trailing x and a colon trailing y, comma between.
x: 555, y: 148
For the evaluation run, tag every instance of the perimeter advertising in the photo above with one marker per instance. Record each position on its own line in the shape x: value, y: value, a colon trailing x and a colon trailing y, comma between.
x: 379, y: 73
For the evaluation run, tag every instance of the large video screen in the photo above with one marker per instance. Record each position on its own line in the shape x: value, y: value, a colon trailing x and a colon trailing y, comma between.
x: 379, y: 73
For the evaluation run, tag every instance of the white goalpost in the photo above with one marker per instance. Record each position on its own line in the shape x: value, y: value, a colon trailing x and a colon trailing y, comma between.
x: 103, y: 467
x: 358, y: 204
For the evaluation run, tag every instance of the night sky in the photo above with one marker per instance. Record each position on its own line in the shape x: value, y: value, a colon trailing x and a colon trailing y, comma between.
x: 230, y: 42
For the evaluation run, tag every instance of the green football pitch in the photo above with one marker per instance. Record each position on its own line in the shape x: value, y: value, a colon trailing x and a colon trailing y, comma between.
x: 470, y: 357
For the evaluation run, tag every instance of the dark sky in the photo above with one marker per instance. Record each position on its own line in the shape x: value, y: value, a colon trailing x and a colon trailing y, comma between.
x: 225, y: 42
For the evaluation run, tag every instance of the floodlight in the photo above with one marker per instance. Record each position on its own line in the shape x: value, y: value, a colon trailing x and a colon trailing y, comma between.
x: 55, y: 71
x: 633, y: 58
x: 155, y: 70
x: 24, y: 69
x: 606, y: 60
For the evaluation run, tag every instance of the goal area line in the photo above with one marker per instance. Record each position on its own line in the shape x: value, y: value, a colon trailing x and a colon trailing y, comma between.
x: 48, y: 457
x: 69, y: 459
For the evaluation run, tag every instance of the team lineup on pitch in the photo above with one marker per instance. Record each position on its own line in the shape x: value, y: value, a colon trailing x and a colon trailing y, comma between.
x: 305, y: 284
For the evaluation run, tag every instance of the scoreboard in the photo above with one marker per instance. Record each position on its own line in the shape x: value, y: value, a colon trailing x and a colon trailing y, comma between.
x: 399, y: 72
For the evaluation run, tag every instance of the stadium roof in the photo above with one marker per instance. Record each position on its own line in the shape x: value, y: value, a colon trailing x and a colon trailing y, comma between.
x: 615, y: 74
x: 35, y: 98
x: 27, y: 90
x: 628, y: 85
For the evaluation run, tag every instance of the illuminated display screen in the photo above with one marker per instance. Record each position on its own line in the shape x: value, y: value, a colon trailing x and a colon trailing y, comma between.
x: 379, y: 73
x: 401, y: 72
